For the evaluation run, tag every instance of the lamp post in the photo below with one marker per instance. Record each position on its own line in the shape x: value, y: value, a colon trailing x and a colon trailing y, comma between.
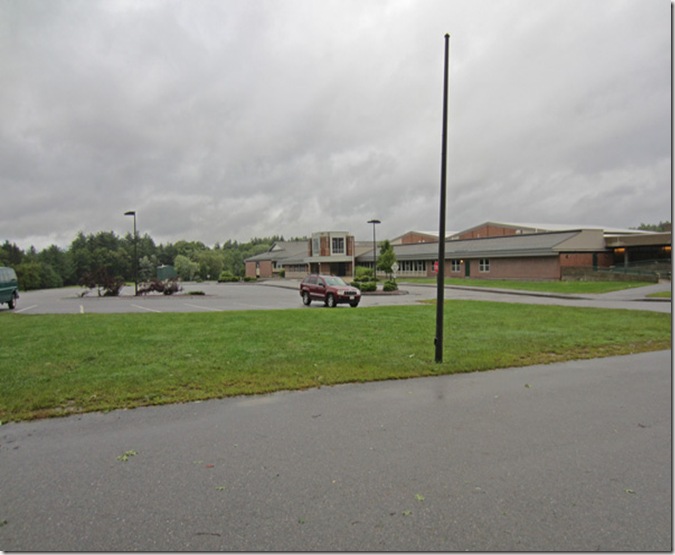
x: 133, y: 213
x: 440, y: 277
x: 374, y: 222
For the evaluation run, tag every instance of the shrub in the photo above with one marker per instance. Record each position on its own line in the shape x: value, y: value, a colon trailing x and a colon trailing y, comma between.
x: 249, y: 278
x: 361, y: 273
x: 390, y: 285
x: 166, y: 287
x: 226, y: 277
x: 365, y: 285
x: 107, y: 285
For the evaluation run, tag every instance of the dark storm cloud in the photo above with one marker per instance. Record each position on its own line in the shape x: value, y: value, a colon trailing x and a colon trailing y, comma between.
x: 222, y: 120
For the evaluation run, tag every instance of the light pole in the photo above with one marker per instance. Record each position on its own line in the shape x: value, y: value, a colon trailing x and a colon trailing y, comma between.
x: 133, y: 213
x: 374, y: 222
x: 440, y: 278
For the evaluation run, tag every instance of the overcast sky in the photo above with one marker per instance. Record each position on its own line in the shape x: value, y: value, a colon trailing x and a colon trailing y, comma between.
x: 233, y: 119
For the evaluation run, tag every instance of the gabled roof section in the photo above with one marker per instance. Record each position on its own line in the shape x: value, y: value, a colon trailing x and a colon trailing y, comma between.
x: 282, y: 250
x: 534, y: 244
x: 431, y: 235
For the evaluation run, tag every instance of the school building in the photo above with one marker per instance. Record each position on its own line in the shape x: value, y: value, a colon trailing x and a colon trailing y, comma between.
x: 491, y: 250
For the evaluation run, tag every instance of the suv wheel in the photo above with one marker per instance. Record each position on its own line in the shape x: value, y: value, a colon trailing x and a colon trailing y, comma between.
x: 306, y: 300
x: 354, y: 304
x: 330, y: 301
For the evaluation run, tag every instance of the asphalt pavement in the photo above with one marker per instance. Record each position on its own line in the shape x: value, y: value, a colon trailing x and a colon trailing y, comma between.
x: 284, y: 294
x: 575, y: 456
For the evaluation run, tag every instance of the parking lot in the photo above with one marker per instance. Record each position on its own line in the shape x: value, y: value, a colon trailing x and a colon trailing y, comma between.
x: 215, y: 297
x: 284, y: 294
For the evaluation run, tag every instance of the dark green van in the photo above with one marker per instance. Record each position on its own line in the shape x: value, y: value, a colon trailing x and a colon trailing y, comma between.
x: 9, y: 287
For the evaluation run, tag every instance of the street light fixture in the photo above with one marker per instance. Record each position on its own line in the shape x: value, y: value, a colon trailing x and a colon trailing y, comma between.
x: 374, y: 222
x: 133, y: 213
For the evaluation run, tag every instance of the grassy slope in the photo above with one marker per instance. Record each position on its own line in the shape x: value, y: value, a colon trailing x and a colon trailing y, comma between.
x: 59, y: 364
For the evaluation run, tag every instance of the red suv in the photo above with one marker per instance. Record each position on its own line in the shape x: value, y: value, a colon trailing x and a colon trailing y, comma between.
x: 332, y: 290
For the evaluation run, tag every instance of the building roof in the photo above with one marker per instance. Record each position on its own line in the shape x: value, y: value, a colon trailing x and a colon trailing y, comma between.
x: 534, y: 244
x: 433, y: 235
x: 547, y: 227
x: 661, y: 238
x: 283, y: 250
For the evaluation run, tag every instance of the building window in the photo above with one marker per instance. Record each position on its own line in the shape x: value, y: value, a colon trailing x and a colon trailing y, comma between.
x: 412, y: 267
x: 338, y: 245
x: 484, y: 265
x: 455, y: 265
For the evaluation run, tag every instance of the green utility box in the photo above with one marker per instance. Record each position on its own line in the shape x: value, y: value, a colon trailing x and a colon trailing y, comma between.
x: 165, y: 272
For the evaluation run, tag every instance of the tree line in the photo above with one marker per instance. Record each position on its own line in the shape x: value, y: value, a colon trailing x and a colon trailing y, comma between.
x: 101, y: 256
x: 661, y: 226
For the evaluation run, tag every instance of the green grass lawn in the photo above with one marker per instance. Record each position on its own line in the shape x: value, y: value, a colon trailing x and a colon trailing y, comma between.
x: 568, y: 287
x: 661, y: 295
x: 53, y: 365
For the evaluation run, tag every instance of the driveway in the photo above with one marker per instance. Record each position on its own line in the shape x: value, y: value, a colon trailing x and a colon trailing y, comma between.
x: 571, y: 456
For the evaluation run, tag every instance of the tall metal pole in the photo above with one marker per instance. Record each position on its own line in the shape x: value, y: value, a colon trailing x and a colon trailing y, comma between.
x: 440, y: 284
x: 374, y: 222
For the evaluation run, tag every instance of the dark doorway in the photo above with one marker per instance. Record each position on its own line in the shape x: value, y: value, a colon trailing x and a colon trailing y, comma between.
x: 338, y: 268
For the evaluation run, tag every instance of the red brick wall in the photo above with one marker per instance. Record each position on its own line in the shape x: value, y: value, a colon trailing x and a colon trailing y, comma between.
x: 412, y: 237
x: 545, y: 267
x: 488, y: 231
x: 261, y: 269
x: 585, y: 259
x: 507, y: 268
x: 266, y: 268
x: 535, y: 268
x: 250, y: 269
x: 325, y: 245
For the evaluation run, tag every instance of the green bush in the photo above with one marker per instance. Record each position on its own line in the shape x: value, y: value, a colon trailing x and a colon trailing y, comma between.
x: 390, y: 285
x: 365, y: 286
x: 249, y: 278
x: 226, y: 277
x: 361, y: 273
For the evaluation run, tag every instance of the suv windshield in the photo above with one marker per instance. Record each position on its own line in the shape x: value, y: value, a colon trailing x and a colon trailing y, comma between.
x: 333, y: 280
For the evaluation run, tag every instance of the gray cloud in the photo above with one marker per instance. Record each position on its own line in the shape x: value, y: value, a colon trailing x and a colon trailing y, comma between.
x: 222, y: 120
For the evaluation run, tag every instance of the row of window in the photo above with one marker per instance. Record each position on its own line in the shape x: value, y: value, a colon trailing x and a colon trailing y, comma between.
x: 337, y: 245
x: 404, y: 266
x: 420, y: 266
x: 412, y: 266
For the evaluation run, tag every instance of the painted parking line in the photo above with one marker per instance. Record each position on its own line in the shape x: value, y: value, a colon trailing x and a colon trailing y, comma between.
x: 202, y: 307
x: 145, y: 308
x: 81, y: 309
x: 24, y: 309
x: 252, y: 306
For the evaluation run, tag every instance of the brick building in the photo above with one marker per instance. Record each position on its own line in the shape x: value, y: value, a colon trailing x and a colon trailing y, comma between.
x: 491, y: 250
